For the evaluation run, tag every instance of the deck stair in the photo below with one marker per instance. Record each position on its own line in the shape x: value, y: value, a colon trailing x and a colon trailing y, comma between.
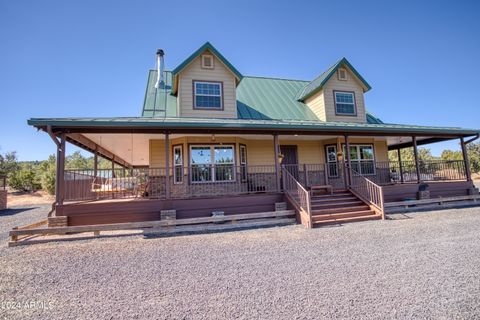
x: 341, y: 206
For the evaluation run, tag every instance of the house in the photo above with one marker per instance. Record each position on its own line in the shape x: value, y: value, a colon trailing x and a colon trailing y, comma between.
x: 212, y: 139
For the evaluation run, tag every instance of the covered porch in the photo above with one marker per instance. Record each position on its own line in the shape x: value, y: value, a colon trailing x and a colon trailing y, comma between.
x: 168, y: 166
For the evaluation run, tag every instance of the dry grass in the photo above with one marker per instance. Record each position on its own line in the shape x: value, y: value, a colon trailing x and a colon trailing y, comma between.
x: 16, y: 199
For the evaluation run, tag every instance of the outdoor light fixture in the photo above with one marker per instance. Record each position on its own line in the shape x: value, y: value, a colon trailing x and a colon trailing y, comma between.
x: 280, y: 158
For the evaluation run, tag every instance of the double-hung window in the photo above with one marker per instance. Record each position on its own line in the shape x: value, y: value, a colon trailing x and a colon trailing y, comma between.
x: 212, y: 163
x: 332, y: 165
x: 207, y: 95
x: 345, y: 103
x: 362, y: 158
x: 178, y: 164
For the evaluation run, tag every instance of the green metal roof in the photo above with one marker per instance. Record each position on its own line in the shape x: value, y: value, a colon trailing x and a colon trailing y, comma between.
x: 320, y: 81
x: 234, y: 124
x: 210, y: 47
x: 258, y: 98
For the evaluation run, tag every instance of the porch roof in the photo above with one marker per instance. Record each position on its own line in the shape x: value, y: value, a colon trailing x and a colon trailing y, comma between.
x: 173, y: 124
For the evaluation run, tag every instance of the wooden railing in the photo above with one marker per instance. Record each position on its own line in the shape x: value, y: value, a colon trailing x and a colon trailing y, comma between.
x: 297, y: 194
x: 367, y: 190
x: 183, y: 182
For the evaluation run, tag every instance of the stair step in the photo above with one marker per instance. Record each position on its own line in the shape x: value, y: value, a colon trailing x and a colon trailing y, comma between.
x: 343, y: 194
x: 346, y: 220
x: 340, y: 210
x: 334, y: 216
x: 333, y: 199
x: 336, y: 204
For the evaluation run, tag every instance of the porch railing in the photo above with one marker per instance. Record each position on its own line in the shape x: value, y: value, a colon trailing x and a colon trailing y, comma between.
x: 298, y: 195
x: 183, y: 182
x: 367, y: 190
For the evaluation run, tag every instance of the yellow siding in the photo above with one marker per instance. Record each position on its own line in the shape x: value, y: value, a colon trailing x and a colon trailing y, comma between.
x: 260, y: 152
x: 322, y: 103
x: 194, y: 71
x: 317, y: 104
x: 351, y: 84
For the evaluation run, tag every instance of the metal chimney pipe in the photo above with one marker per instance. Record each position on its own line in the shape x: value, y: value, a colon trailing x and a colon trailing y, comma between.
x: 160, y: 68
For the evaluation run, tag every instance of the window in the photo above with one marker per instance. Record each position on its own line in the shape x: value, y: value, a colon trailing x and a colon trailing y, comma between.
x: 342, y: 74
x: 207, y: 61
x: 243, y: 162
x: 212, y: 163
x: 332, y: 161
x: 207, y: 95
x: 362, y: 158
x: 344, y: 103
x: 178, y: 164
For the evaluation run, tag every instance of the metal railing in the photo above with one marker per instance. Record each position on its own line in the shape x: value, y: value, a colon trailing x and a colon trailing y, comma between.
x: 183, y: 182
x: 367, y: 190
x: 297, y: 193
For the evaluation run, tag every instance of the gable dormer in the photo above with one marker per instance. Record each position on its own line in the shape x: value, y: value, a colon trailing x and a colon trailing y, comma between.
x: 205, y: 85
x: 337, y: 94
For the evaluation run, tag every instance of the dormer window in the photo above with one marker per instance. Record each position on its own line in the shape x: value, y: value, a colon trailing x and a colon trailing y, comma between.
x: 207, y: 61
x: 345, y: 103
x: 208, y: 95
x: 342, y: 74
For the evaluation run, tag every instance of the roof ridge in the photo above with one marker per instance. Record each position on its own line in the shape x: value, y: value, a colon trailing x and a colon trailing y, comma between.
x: 274, y: 78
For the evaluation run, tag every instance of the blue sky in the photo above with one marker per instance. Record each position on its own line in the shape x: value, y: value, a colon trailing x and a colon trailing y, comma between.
x: 90, y: 58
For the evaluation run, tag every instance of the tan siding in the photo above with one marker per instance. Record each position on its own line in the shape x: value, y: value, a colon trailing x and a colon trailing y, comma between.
x: 194, y: 71
x: 157, y: 153
x: 317, y: 105
x: 351, y: 84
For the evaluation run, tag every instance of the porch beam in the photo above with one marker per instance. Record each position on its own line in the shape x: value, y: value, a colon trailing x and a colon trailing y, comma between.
x: 167, y: 165
x: 465, y: 159
x: 348, y: 176
x: 419, y: 142
x: 415, y: 154
x: 276, y: 148
x: 399, y: 152
x: 85, y: 143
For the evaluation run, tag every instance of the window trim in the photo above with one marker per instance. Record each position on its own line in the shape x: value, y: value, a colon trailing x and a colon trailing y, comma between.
x: 194, y: 82
x: 243, y: 165
x: 212, y: 159
x: 358, y: 145
x: 174, y: 165
x: 203, y: 61
x: 354, y: 114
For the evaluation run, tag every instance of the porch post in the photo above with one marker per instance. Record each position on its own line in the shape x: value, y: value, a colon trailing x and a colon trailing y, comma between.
x: 349, y: 165
x: 95, y: 163
x: 113, y: 167
x: 60, y: 182
x: 276, y: 148
x: 167, y: 165
x: 400, y: 164
x: 465, y: 160
x: 415, y: 154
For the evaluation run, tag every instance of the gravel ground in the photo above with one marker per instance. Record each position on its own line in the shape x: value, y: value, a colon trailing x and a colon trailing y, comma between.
x: 417, y: 266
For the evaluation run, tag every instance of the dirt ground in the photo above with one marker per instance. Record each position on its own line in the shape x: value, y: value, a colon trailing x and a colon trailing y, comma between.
x: 15, y: 198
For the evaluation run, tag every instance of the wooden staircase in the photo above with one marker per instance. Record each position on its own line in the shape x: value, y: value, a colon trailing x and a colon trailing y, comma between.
x: 341, y: 206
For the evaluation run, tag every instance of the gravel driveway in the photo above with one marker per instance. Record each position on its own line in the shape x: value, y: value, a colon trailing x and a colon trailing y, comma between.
x: 417, y: 266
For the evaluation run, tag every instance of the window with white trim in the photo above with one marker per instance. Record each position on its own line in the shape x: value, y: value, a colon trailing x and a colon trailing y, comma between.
x: 332, y: 162
x: 178, y: 164
x: 212, y: 163
x: 345, y: 103
x: 207, y: 95
x: 362, y: 158
x: 243, y: 161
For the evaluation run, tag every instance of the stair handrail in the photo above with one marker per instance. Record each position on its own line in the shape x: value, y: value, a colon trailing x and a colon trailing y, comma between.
x: 367, y: 190
x: 297, y: 194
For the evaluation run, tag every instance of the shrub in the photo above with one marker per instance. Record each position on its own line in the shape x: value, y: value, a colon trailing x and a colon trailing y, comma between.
x: 24, y: 180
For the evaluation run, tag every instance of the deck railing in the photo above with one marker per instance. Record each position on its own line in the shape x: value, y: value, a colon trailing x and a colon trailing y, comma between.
x: 367, y: 190
x: 183, y: 182
x: 298, y: 195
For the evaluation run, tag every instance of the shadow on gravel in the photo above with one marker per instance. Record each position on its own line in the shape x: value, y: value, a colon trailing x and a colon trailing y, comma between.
x: 11, y: 212
x: 397, y: 216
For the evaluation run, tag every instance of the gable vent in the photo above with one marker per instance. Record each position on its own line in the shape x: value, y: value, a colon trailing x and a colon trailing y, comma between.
x: 342, y: 74
x: 207, y: 61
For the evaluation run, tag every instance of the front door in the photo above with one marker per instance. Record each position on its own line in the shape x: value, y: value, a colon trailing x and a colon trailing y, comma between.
x: 290, y: 159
